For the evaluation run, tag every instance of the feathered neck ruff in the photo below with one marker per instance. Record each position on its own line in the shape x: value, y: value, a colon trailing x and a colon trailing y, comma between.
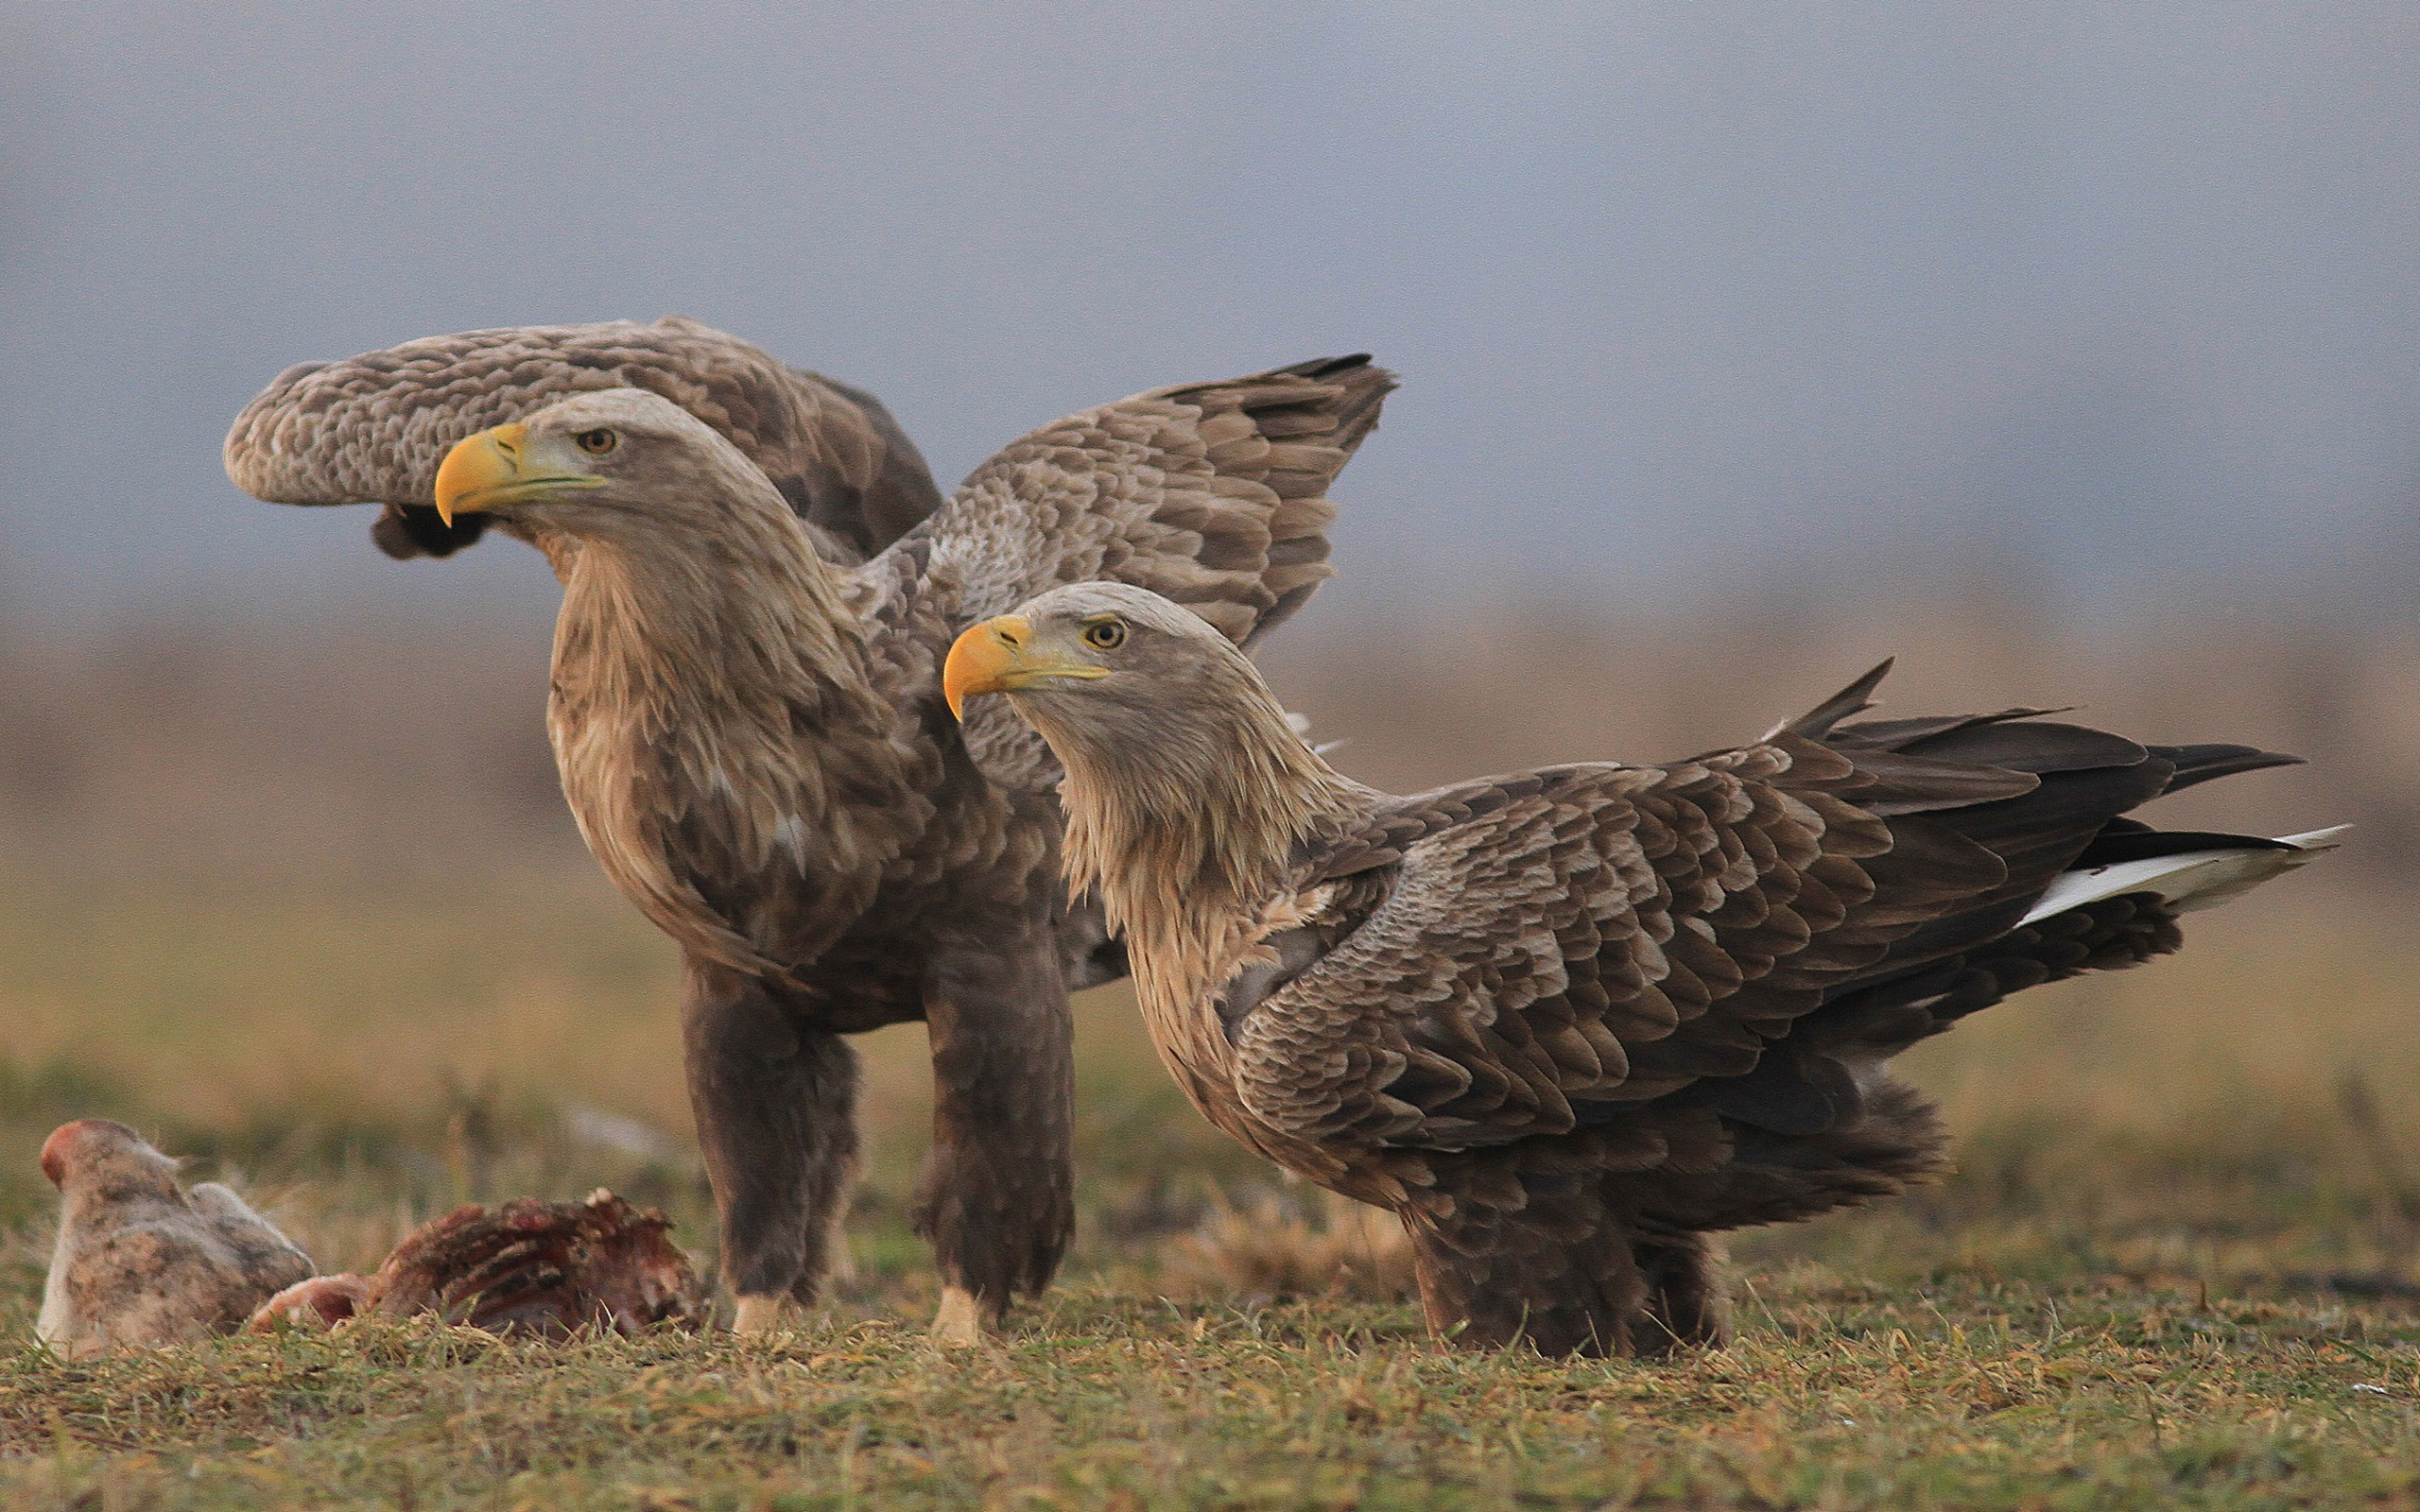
x: 1189, y: 819
x: 694, y: 623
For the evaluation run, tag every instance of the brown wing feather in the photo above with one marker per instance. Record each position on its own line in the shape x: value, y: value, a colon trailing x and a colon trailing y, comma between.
x: 1214, y: 496
x: 1541, y: 954
x: 1612, y: 934
x: 373, y: 428
x: 1210, y: 495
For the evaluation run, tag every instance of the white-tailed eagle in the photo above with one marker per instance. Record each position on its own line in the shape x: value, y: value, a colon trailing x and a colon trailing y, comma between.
x: 1571, y: 1023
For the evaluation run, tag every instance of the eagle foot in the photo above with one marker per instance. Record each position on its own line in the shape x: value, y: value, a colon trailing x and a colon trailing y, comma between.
x: 959, y: 1325
x: 763, y: 1317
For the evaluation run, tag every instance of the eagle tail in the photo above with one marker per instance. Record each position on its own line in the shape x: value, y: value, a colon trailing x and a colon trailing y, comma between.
x: 2185, y: 872
x: 2083, y: 885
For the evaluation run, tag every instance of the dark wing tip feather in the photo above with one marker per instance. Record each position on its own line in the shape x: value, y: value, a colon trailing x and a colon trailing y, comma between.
x: 2023, y: 744
x: 2115, y: 845
x: 1856, y: 698
x: 2207, y: 763
x: 1315, y: 414
x: 1328, y: 367
x: 2074, y: 816
x: 1366, y: 386
x: 1345, y: 393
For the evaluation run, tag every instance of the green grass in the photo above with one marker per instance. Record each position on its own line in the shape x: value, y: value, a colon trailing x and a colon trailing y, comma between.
x: 1956, y: 1389
x: 2173, y: 1270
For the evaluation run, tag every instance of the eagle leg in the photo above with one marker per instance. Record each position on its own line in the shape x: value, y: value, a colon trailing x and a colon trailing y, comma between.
x: 1687, y: 1304
x: 776, y: 1107
x: 997, y: 1195
x: 1504, y: 1255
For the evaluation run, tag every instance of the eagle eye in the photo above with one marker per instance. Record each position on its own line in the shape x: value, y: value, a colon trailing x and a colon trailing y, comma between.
x: 596, y: 442
x: 1105, y: 635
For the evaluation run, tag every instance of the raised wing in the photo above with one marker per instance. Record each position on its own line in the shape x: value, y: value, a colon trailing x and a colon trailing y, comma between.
x: 1540, y: 953
x: 1214, y: 496
x: 373, y: 428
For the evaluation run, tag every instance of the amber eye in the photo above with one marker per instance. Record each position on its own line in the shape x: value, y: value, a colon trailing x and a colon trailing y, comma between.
x: 1105, y: 635
x: 596, y: 442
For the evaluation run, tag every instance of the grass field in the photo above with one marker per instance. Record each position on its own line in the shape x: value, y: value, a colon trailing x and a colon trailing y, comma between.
x: 2173, y: 1269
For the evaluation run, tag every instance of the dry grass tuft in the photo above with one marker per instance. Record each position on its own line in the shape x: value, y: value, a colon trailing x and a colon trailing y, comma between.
x: 1296, y: 1245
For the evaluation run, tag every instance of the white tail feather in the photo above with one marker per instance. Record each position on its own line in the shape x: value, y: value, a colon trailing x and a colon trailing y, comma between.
x: 2196, y: 879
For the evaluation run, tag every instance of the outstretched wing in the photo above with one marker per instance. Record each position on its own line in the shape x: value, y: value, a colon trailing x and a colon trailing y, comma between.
x: 1214, y: 496
x: 1544, y: 953
x: 373, y: 428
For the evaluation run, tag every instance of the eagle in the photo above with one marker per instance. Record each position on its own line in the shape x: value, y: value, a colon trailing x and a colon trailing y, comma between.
x: 751, y: 735
x: 1570, y: 1024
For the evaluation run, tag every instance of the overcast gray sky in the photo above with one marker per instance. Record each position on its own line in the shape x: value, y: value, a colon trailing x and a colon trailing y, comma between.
x: 1681, y: 294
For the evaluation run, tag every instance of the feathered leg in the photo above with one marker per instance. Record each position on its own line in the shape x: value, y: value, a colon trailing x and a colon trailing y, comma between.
x: 1541, y: 1240
x: 1515, y: 1245
x: 777, y: 1118
x: 1494, y: 1284
x: 998, y: 1198
x: 1687, y: 1302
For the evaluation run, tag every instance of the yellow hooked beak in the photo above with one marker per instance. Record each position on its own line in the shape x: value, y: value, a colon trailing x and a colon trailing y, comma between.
x: 501, y: 466
x: 999, y: 656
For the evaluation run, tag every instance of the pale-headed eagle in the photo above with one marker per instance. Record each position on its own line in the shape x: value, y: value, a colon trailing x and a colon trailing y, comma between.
x: 752, y: 736
x: 1571, y: 1023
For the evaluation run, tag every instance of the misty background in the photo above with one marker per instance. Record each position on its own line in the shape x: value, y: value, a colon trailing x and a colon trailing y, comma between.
x: 2067, y: 350
x: 2125, y: 298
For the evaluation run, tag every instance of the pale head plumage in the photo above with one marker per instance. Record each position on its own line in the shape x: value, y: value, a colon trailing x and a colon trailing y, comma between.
x: 1167, y: 660
x: 621, y: 465
x: 1187, y: 789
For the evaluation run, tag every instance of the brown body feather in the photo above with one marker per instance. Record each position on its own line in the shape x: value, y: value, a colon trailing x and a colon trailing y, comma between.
x: 1570, y: 1023
x: 752, y: 737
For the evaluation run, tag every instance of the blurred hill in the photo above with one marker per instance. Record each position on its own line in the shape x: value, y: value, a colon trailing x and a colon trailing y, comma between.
x: 198, y: 752
x: 409, y: 752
